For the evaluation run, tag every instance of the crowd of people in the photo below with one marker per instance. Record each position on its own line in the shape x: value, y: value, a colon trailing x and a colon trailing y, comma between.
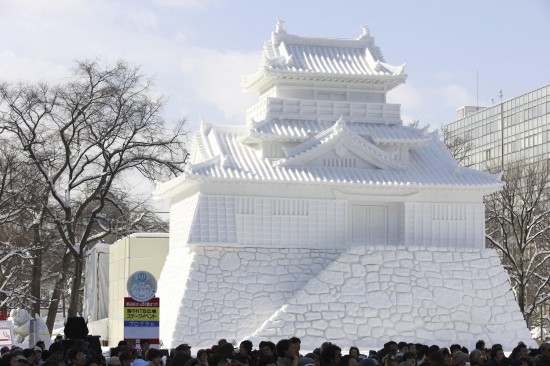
x: 286, y: 352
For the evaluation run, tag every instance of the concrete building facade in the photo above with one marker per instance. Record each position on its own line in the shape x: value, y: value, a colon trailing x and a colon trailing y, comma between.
x: 514, y: 130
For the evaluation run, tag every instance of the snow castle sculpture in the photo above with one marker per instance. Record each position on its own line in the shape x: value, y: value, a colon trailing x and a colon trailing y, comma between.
x: 323, y: 217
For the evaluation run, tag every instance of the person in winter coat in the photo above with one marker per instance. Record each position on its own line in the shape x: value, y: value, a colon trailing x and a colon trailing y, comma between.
x: 543, y: 359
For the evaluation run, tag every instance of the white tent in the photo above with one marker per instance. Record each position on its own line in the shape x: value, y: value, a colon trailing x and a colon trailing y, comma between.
x: 96, y: 288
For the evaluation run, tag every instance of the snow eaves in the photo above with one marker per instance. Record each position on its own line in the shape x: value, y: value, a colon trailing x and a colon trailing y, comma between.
x: 358, y: 59
x: 302, y: 129
x: 339, y: 133
x: 429, y: 166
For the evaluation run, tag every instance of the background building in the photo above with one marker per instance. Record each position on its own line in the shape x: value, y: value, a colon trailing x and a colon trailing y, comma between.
x: 510, y: 131
x: 514, y: 131
x: 137, y: 252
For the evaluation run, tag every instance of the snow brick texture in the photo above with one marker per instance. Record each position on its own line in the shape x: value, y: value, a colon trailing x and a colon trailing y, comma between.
x: 363, y: 296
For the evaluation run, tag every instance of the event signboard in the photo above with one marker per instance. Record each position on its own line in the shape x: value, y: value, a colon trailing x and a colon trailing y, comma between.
x: 6, y: 333
x: 141, y: 309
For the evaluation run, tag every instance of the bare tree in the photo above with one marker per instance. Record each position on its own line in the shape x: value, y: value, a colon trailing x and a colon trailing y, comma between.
x: 518, y: 226
x: 19, y: 249
x: 83, y: 138
x: 414, y: 124
x: 460, y: 146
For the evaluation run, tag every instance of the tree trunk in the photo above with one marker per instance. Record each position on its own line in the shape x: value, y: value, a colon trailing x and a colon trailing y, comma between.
x: 521, y: 296
x: 58, y: 290
x: 36, y: 272
x: 75, y: 285
x: 36, y: 281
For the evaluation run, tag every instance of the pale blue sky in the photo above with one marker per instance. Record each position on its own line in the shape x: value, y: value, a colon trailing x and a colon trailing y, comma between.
x: 198, y: 49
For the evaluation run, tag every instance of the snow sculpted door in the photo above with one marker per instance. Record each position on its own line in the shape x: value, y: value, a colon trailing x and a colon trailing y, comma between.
x: 369, y: 224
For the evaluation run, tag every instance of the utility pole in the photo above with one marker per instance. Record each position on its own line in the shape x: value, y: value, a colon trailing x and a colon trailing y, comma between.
x: 501, y: 132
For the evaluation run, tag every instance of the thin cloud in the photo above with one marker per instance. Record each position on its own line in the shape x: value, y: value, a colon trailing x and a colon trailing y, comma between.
x: 200, y: 5
x: 216, y: 77
x: 411, y: 101
x: 454, y: 96
x: 30, y: 69
x: 143, y: 19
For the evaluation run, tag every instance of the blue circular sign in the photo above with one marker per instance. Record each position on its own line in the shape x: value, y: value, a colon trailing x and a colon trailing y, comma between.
x: 141, y: 286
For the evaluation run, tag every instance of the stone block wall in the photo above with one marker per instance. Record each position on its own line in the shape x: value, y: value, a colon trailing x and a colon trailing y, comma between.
x: 210, y: 292
x: 428, y: 295
x: 362, y: 296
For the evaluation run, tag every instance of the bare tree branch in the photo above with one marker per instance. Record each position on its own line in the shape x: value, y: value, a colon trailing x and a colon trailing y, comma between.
x: 81, y: 140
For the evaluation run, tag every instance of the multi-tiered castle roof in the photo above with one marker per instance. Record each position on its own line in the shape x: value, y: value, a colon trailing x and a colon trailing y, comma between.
x: 323, y: 117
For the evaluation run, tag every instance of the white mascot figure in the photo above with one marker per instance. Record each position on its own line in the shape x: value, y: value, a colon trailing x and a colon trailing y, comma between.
x: 21, y: 327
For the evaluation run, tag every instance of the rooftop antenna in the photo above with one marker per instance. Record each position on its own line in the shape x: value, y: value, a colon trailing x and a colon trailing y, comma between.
x: 500, y: 95
x: 477, y: 90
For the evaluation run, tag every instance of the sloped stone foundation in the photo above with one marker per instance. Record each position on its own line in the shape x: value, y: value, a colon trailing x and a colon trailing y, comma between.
x: 361, y: 296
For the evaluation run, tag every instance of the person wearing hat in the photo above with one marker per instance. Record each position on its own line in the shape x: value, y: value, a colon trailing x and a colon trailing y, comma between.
x: 460, y: 358
x: 114, y: 361
x: 56, y: 354
x: 37, y: 354
x: 184, y: 348
x: 183, y: 354
x: 202, y: 356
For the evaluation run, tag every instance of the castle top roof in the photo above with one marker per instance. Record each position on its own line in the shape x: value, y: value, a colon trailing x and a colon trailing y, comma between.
x: 358, y: 59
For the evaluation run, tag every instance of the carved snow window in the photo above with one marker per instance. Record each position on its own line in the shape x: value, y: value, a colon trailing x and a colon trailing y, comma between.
x: 339, y: 163
x: 245, y: 206
x: 290, y: 208
x: 449, y: 212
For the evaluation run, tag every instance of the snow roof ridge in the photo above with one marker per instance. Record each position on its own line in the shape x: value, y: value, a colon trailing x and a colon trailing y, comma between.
x: 339, y: 128
x: 195, y: 168
x: 201, y: 138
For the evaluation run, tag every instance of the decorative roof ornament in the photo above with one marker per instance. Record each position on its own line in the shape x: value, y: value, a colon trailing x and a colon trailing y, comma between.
x: 225, y: 162
x: 340, y: 123
x: 425, y: 130
x: 205, y: 126
x: 279, y: 25
x: 279, y: 32
x: 366, y: 32
x: 340, y: 151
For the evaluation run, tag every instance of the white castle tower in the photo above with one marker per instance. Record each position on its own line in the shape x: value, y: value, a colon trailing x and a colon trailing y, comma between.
x: 323, y: 217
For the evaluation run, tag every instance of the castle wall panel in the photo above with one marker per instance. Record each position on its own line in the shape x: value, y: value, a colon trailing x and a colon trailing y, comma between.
x: 275, y: 222
x: 444, y: 224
